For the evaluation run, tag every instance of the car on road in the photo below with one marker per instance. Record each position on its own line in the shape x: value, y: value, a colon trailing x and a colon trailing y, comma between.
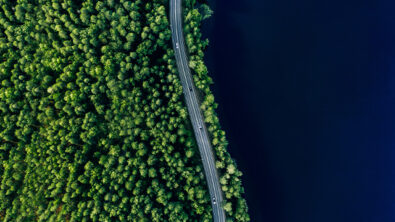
x: 214, y: 201
x: 200, y: 126
x: 190, y: 89
x: 177, y: 45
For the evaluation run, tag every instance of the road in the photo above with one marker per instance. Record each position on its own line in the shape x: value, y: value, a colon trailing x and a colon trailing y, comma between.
x: 197, y: 120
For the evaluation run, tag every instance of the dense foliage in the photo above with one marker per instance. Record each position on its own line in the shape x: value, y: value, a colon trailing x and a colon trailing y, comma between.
x: 93, y: 126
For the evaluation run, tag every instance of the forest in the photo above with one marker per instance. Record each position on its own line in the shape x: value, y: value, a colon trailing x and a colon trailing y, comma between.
x: 93, y: 124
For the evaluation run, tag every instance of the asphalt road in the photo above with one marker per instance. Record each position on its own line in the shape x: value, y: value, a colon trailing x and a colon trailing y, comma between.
x: 194, y: 111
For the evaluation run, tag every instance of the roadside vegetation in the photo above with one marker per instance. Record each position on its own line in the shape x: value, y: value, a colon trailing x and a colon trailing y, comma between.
x: 93, y: 125
x: 230, y: 177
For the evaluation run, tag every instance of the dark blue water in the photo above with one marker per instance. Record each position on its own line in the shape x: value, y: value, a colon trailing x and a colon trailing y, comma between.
x: 307, y: 97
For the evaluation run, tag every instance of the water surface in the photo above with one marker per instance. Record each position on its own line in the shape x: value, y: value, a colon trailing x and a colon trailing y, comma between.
x: 306, y: 93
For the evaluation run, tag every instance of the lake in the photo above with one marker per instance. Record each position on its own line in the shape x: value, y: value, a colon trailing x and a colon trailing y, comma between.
x: 306, y: 93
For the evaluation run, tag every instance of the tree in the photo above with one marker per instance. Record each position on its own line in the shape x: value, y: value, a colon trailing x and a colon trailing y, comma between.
x: 206, y: 11
x: 93, y: 123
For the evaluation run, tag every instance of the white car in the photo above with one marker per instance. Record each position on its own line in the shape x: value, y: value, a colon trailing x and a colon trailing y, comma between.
x: 214, y: 201
x: 177, y: 45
